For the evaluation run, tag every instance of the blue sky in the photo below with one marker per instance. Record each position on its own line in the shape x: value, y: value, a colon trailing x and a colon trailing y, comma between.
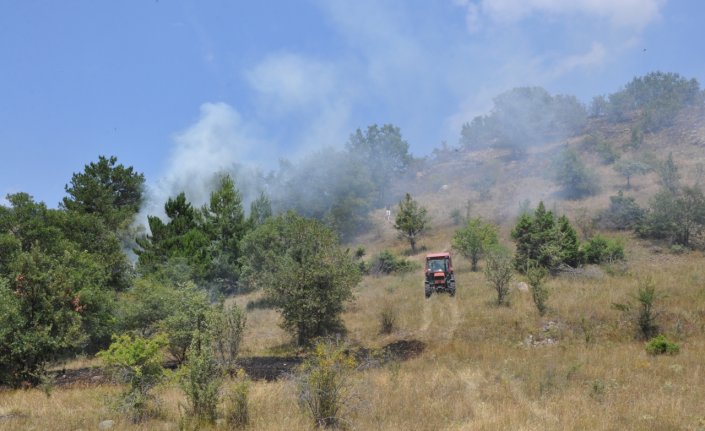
x: 181, y: 88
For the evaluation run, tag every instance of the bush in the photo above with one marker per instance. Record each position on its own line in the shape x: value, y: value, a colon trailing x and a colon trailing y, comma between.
x: 138, y: 362
x: 539, y: 293
x: 660, y: 345
x: 237, y: 411
x: 387, y: 319
x: 645, y: 313
x: 201, y: 378
x: 622, y: 214
x: 227, y: 327
x: 499, y: 272
x: 386, y: 263
x: 324, y: 384
x: 603, y: 250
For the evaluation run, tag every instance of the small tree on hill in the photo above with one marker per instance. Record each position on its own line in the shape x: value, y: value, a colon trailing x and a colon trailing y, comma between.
x: 669, y: 178
x: 411, y: 220
x: 474, y: 240
x: 499, y: 272
x: 629, y: 168
x: 572, y: 174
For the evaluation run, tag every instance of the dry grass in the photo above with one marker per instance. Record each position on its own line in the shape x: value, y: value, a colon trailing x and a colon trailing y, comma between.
x: 478, y: 371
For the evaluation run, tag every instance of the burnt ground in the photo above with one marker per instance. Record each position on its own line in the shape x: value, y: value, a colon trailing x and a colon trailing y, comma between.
x: 266, y: 368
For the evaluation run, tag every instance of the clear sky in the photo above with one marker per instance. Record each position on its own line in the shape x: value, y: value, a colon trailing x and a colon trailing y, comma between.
x: 168, y: 84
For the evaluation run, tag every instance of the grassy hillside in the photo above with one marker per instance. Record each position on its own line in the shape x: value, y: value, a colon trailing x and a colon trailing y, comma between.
x: 484, y: 367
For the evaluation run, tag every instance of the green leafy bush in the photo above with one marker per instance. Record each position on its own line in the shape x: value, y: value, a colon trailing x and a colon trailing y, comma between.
x: 599, y: 249
x: 660, y: 345
x: 136, y: 361
x: 386, y: 263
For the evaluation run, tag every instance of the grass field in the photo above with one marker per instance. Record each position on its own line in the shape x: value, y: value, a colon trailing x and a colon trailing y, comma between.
x: 483, y: 368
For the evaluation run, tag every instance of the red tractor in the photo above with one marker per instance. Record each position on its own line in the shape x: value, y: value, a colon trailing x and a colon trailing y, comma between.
x: 438, y: 274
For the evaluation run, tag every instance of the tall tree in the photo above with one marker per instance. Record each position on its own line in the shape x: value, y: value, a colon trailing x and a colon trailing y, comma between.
x: 383, y: 151
x: 411, y: 220
x: 224, y: 223
x: 107, y: 189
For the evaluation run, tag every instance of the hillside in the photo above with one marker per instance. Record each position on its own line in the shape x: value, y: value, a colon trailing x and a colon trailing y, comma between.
x: 460, y: 363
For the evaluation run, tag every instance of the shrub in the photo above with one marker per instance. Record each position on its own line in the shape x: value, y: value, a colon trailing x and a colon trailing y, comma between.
x: 324, y: 384
x: 201, y: 378
x: 603, y: 250
x: 387, y: 319
x: 536, y: 276
x: 138, y: 362
x: 237, y: 411
x: 645, y: 313
x: 660, y: 345
x: 386, y: 263
x: 622, y: 214
x: 499, y: 272
x: 227, y: 327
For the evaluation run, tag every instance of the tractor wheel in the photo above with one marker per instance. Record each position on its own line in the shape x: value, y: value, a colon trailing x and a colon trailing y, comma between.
x: 452, y: 288
x: 427, y: 290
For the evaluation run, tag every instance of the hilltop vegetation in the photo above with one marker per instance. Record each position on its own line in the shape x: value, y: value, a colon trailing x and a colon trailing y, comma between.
x: 596, y: 211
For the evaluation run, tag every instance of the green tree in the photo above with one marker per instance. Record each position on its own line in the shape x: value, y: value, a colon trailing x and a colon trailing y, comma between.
x: 677, y: 218
x: 180, y: 237
x: 474, y: 240
x: 622, y: 214
x: 304, y: 272
x: 260, y: 210
x: 572, y: 174
x: 40, y: 317
x: 224, y: 224
x: 629, y: 168
x: 383, y: 151
x: 669, y: 177
x: 543, y: 241
x: 411, y: 220
x: 111, y: 191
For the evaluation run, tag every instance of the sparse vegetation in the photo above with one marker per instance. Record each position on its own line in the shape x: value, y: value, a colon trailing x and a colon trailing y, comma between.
x: 499, y: 272
x: 324, y: 384
x: 536, y: 276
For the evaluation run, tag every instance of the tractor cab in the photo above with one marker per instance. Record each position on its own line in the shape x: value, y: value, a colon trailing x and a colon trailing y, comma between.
x: 439, y: 276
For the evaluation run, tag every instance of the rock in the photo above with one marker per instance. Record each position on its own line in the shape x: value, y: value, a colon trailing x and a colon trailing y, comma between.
x: 106, y: 425
x: 522, y: 287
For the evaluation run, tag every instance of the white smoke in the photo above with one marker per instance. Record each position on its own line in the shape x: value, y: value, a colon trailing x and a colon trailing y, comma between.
x: 218, y: 142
